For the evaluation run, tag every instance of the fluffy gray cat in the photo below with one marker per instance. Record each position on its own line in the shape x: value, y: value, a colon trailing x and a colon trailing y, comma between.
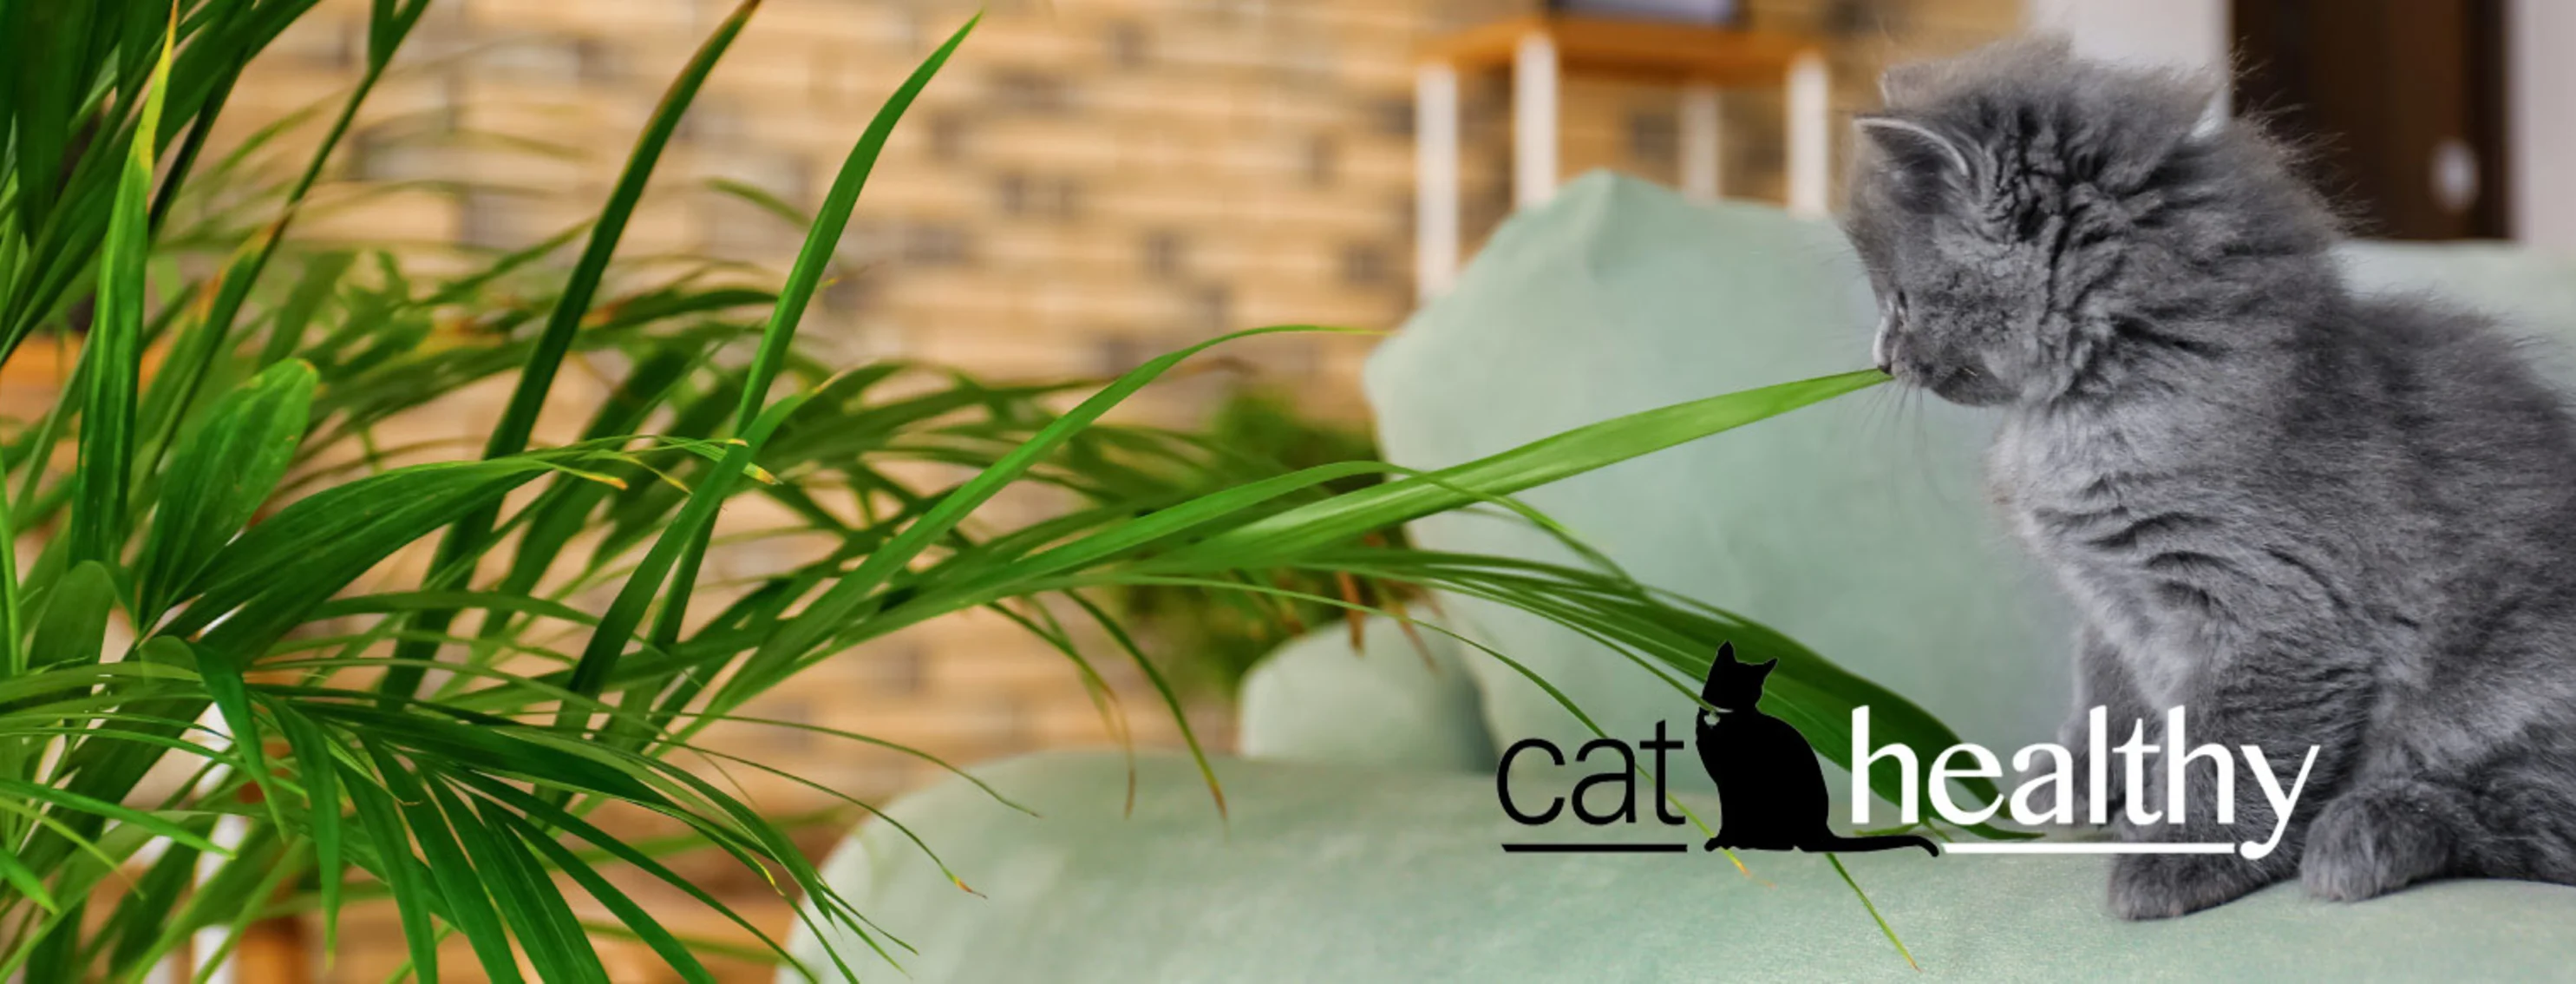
x: 2309, y: 517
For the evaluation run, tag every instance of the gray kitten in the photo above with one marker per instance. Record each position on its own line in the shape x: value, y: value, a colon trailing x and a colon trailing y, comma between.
x: 2310, y: 517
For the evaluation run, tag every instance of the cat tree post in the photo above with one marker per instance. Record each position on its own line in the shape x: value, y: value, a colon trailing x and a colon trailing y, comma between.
x: 1534, y: 78
x: 1435, y: 178
x: 1702, y: 131
x: 1810, y: 140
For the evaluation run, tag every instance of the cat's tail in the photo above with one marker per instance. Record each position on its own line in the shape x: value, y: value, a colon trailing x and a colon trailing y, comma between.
x: 1888, y: 842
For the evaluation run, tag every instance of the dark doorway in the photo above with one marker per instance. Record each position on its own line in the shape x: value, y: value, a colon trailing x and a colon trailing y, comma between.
x: 2400, y: 102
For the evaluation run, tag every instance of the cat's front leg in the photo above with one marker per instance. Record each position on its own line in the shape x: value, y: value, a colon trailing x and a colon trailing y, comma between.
x: 2282, y: 700
x: 2101, y: 680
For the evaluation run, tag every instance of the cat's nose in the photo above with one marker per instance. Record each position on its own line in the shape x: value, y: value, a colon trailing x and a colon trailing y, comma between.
x: 1882, y: 344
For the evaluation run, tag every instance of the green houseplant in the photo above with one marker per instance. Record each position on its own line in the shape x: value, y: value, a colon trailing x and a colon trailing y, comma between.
x: 424, y: 740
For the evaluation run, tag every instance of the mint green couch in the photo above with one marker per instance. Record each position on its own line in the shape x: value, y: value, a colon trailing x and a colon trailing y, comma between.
x: 1362, y: 840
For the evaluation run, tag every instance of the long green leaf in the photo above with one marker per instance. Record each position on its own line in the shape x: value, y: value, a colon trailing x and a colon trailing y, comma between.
x: 217, y: 483
x: 536, y: 379
x: 72, y: 631
x: 13, y: 652
x: 101, y: 481
x: 609, y: 641
x: 830, y: 221
x: 140, y: 920
x: 1536, y: 463
x: 528, y: 900
x: 27, y: 882
x: 537, y: 811
x: 635, y: 918
x: 271, y: 577
x: 31, y: 792
x: 775, y: 340
x: 466, y: 891
x: 397, y: 866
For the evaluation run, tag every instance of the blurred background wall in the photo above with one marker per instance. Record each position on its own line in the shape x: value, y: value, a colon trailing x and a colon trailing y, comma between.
x: 1092, y: 182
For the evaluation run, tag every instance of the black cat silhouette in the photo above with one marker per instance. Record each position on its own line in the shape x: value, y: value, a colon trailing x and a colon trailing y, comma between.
x: 1769, y: 787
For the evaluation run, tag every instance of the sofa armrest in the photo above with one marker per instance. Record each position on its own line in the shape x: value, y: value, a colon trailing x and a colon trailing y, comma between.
x: 1392, y: 703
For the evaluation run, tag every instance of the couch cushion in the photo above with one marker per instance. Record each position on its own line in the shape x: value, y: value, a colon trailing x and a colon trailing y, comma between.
x: 2531, y: 293
x: 1859, y: 527
x: 1347, y: 874
x: 1390, y: 703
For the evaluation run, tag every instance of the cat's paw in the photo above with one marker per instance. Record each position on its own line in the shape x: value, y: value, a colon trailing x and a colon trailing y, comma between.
x: 1715, y: 844
x: 2162, y: 886
x: 2373, y: 841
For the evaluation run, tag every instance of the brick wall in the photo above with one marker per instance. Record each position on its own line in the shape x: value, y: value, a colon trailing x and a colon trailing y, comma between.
x: 1089, y: 183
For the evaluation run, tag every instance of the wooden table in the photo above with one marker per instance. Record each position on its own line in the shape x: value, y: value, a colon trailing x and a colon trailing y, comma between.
x: 1540, y: 49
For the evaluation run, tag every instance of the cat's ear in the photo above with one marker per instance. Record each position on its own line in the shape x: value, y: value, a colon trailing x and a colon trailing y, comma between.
x: 1726, y: 652
x: 2211, y: 124
x: 1768, y: 665
x: 1915, y: 149
x: 1901, y: 83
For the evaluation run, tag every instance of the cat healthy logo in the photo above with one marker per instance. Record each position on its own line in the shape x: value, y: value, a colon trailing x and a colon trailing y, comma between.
x: 1772, y: 795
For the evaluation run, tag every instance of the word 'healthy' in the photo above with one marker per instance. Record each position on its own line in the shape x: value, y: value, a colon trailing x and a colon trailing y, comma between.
x: 2139, y: 763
